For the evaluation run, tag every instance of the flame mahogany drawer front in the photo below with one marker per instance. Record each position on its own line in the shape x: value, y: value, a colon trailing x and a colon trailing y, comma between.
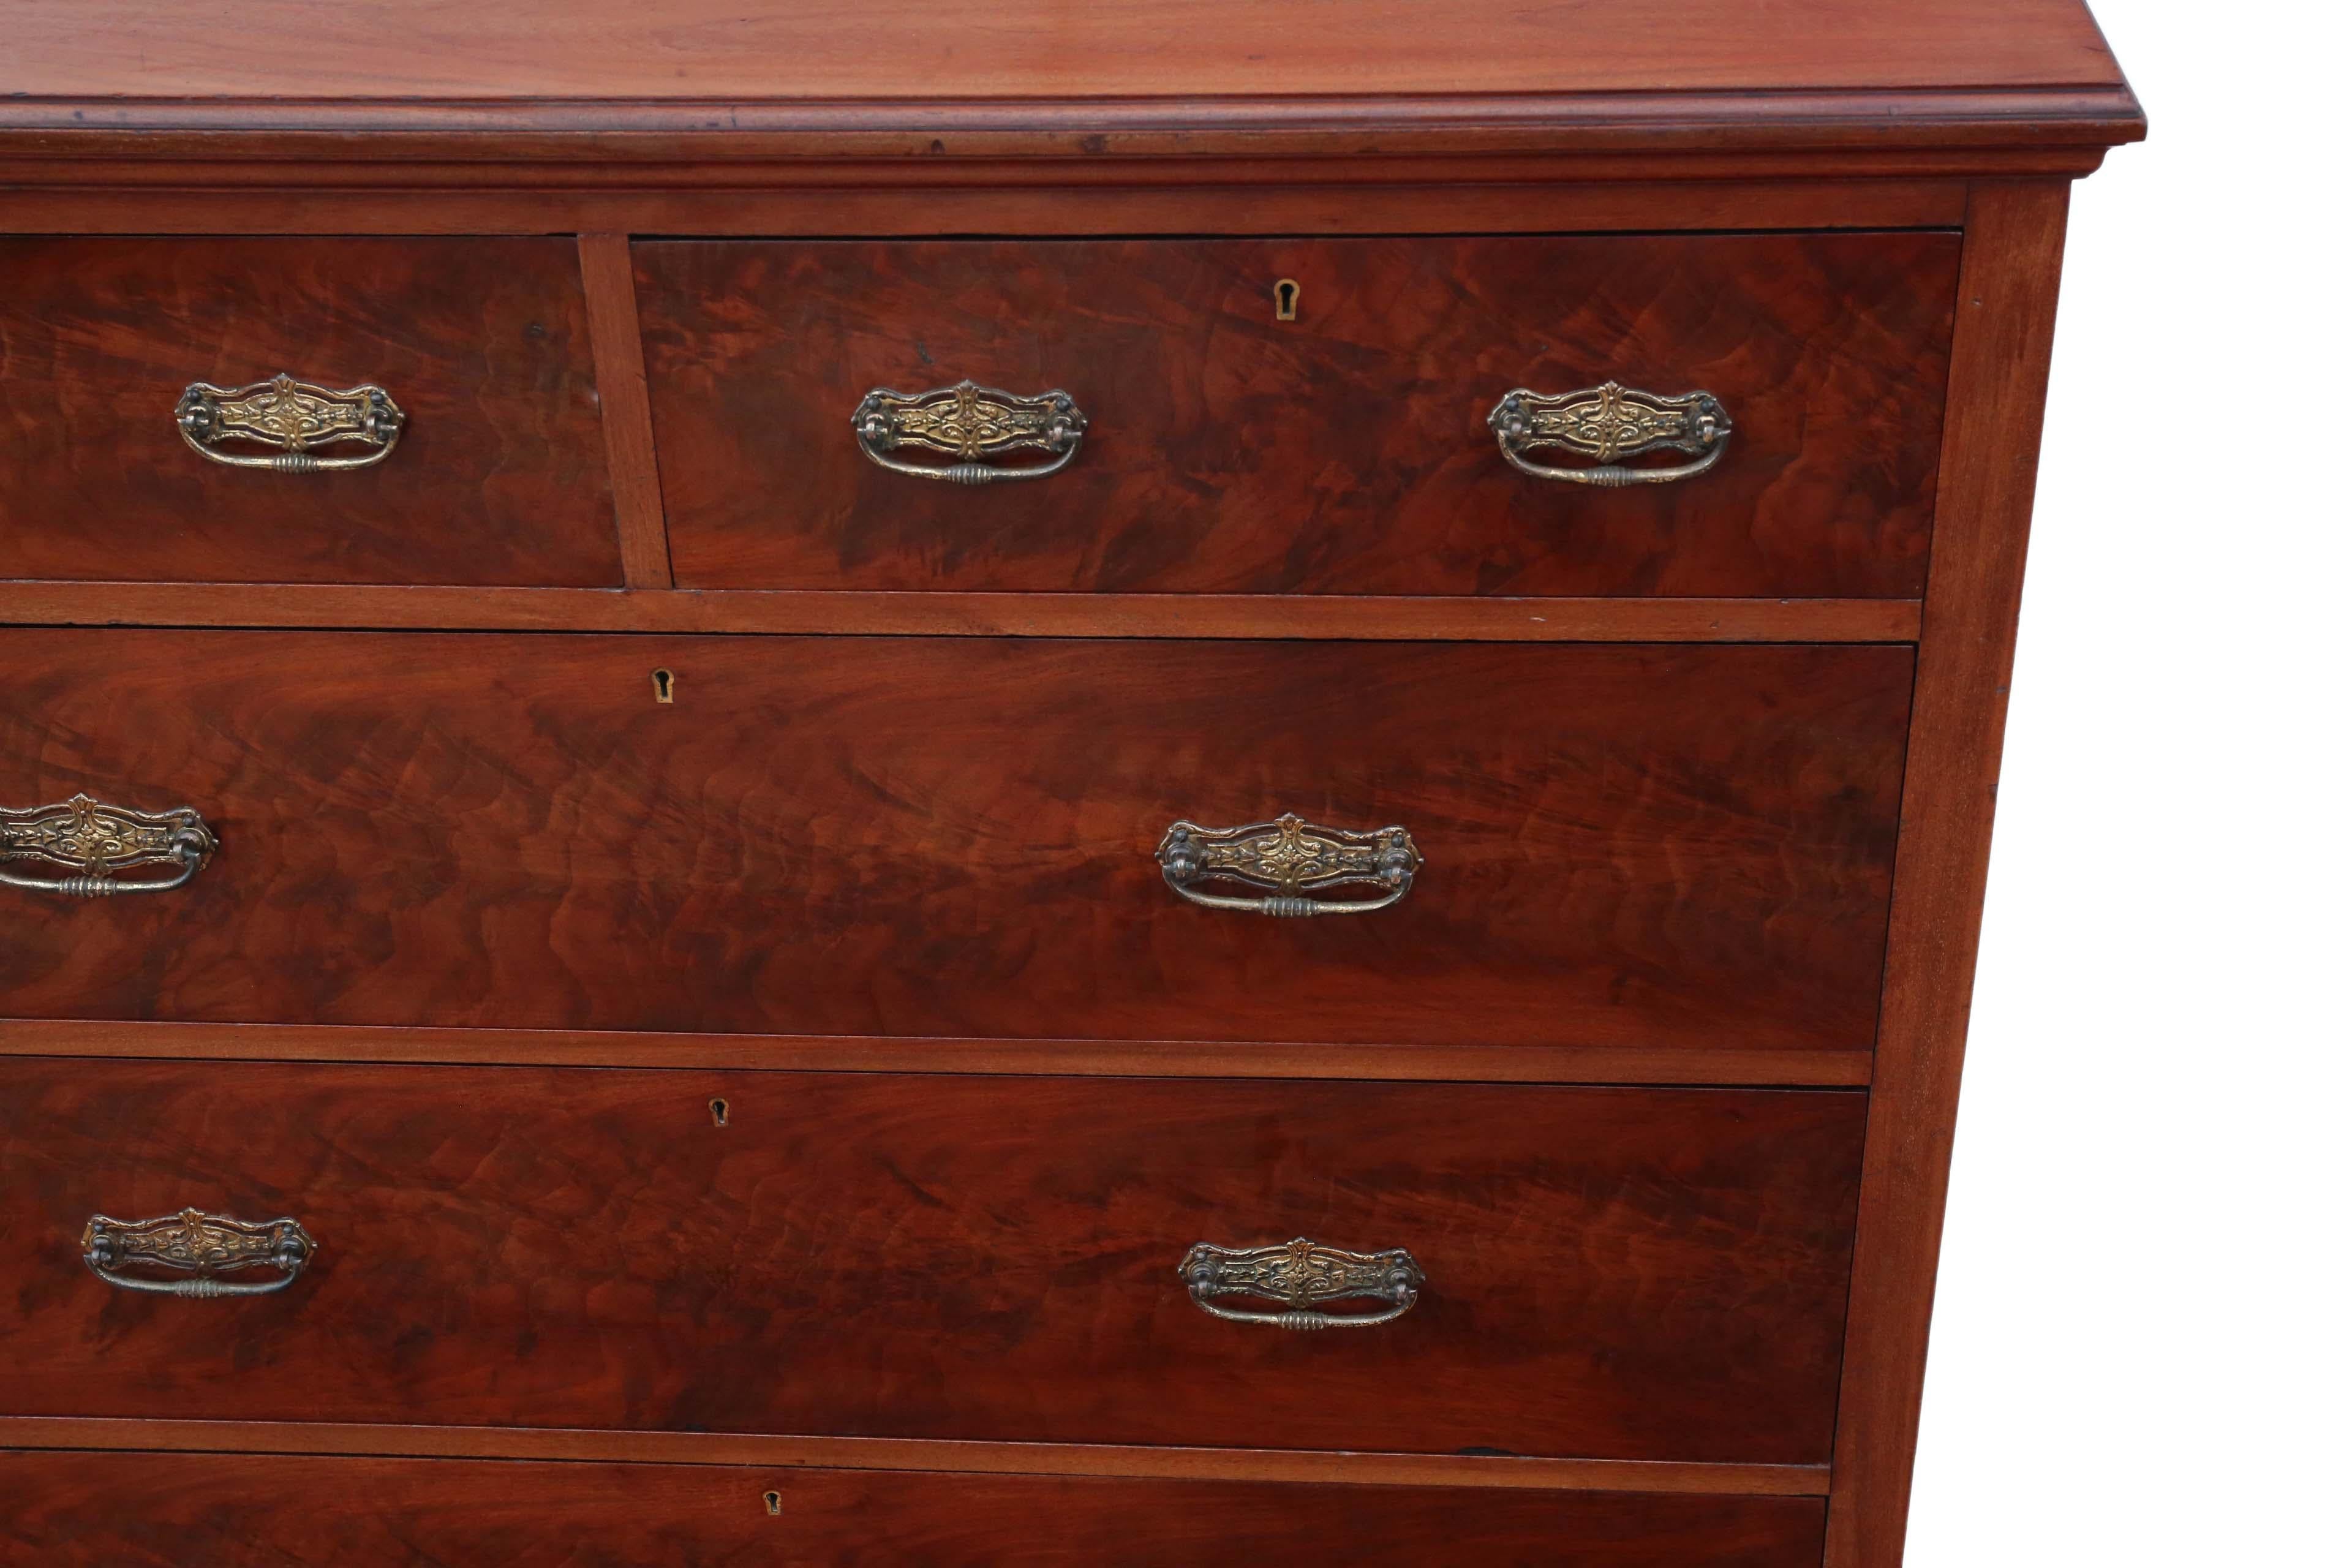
x: 1662, y: 846
x: 1606, y: 1272
x: 1347, y: 450
x: 482, y: 462
x: 170, y: 1510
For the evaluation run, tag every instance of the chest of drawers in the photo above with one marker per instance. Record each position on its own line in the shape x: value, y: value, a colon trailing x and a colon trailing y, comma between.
x: 1142, y: 785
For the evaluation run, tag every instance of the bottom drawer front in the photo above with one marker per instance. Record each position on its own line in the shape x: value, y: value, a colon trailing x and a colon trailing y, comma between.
x: 165, y: 1510
x: 1626, y: 1273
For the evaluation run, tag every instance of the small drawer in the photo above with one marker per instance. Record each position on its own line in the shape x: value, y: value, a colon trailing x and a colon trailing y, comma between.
x: 1303, y: 415
x: 344, y: 410
x: 1502, y: 844
x: 1610, y: 1273
x: 275, y: 1511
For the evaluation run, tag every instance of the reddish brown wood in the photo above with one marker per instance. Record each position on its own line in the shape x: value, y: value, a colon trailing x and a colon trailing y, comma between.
x: 1651, y: 846
x: 1115, y: 49
x: 1251, y: 616
x: 1613, y: 1273
x: 1631, y: 139
x: 1345, y: 452
x: 2009, y: 303
x: 1115, y: 1059
x: 1421, y: 196
x: 1633, y: 142
x: 611, y: 304
x: 499, y: 478
x: 1842, y: 81
x: 1509, y: 1472
x: 803, y: 844
x: 227, y: 1511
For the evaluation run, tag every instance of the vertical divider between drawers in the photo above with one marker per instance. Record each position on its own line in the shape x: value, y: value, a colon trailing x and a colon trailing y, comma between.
x: 620, y: 355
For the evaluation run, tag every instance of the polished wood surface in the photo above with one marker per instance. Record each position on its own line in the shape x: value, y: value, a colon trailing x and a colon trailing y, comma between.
x: 2010, y: 293
x: 1529, y: 194
x: 1344, y: 452
x: 924, y: 614
x: 1516, y: 1472
x: 499, y: 478
x: 898, y: 821
x: 1644, y: 845
x: 1613, y: 1273
x: 613, y: 334
x: 1185, y: 80
x: 1730, y: 1065
x: 1112, y: 48
x: 146, y: 1510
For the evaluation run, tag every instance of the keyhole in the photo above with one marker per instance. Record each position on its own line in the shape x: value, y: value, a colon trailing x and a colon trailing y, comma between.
x: 718, y: 1113
x: 664, y: 685
x: 1285, y: 299
x: 775, y: 1501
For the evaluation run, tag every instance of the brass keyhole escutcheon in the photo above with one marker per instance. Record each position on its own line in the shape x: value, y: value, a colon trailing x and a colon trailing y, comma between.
x: 718, y: 1113
x: 665, y: 687
x: 775, y: 1501
x: 1285, y: 299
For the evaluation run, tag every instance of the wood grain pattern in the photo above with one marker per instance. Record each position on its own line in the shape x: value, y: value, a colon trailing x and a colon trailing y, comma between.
x: 230, y: 1511
x: 882, y: 1053
x: 825, y: 49
x: 1354, y: 1468
x: 1252, y: 616
x: 535, y: 148
x: 1346, y: 452
x: 2008, y: 304
x: 1615, y: 1273
x: 1651, y: 846
x: 850, y: 854
x: 1424, y: 196
x: 499, y: 478
x: 611, y: 304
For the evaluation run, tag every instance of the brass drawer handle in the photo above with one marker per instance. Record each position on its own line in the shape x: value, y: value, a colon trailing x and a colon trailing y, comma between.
x: 193, y: 1251
x: 290, y: 419
x: 96, y: 842
x: 1302, y: 1275
x: 1606, y: 423
x: 1290, y: 859
x: 969, y: 422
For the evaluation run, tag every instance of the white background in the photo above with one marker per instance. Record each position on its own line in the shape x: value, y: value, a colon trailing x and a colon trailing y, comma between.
x: 2138, y: 1355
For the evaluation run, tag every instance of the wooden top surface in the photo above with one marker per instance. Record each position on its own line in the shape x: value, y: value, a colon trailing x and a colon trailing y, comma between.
x: 2007, y: 70
x: 729, y: 49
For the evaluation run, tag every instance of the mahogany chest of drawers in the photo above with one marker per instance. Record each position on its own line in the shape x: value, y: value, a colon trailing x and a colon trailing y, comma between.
x: 1140, y: 785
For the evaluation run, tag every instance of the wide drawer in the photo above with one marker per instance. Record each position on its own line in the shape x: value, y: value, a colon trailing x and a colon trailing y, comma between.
x: 483, y: 464
x: 1347, y: 450
x: 1618, y: 1273
x: 170, y: 1510
x: 1618, y: 845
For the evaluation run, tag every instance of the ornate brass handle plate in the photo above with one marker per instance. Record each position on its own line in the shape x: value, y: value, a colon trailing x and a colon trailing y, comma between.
x: 95, y: 843
x: 1302, y: 1275
x: 196, y: 1254
x: 1606, y: 423
x: 1290, y: 859
x: 289, y: 420
x: 969, y: 423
